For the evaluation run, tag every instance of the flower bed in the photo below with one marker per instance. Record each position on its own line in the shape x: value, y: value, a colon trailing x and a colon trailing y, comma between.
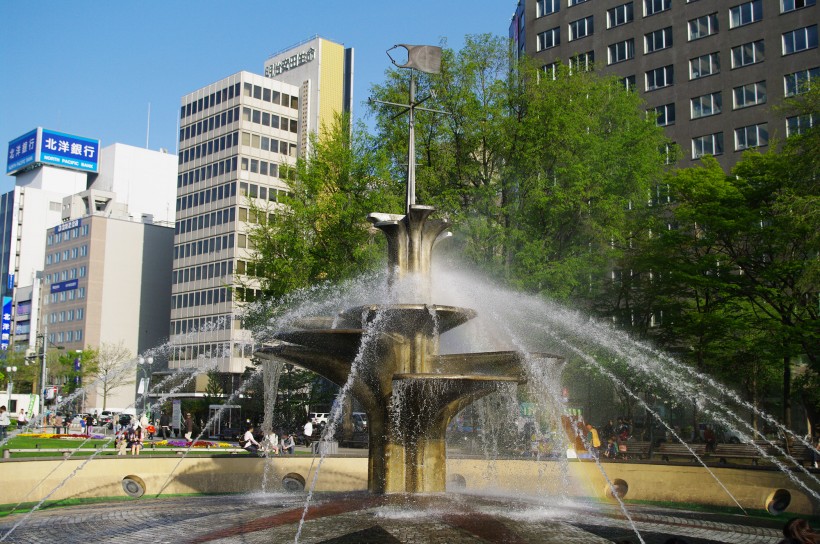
x: 197, y: 444
x: 67, y: 436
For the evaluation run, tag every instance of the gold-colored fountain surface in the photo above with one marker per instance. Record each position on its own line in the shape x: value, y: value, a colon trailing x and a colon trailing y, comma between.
x: 409, y: 391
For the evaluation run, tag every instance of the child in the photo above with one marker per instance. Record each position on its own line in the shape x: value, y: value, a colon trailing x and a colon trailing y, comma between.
x: 121, y: 442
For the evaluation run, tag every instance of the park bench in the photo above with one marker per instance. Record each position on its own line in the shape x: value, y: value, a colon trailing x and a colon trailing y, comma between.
x: 749, y: 452
x: 635, y: 449
x: 802, y: 454
x: 668, y: 450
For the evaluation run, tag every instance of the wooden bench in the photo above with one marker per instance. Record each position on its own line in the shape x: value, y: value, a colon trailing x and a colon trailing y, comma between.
x: 801, y: 453
x: 739, y: 451
x: 668, y: 450
x: 635, y: 449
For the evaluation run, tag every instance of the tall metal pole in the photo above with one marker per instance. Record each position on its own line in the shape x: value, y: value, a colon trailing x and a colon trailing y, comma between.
x: 411, y: 149
x: 43, y: 376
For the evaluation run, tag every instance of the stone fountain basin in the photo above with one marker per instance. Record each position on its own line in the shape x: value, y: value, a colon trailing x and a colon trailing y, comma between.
x: 426, y: 319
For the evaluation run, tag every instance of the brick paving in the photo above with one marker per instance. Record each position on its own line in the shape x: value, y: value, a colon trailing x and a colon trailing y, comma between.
x: 359, y: 518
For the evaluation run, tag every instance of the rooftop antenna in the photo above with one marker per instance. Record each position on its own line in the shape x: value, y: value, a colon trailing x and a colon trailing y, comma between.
x: 427, y: 59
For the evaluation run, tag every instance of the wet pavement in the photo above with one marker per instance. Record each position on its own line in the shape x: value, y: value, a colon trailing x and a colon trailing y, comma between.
x: 361, y: 518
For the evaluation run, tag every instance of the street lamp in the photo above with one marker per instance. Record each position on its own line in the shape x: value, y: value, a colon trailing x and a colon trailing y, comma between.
x: 144, y: 362
x: 10, y: 370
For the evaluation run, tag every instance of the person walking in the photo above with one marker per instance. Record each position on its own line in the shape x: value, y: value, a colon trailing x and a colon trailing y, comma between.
x: 5, y: 421
x: 308, y: 432
x: 89, y: 424
x: 58, y: 424
x: 593, y: 440
x: 189, y: 427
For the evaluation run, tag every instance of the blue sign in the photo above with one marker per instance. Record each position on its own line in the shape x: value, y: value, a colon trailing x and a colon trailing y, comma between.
x: 10, y: 285
x: 49, y: 147
x: 67, y: 225
x: 63, y: 286
x: 22, y: 152
x: 69, y: 151
x: 5, y: 332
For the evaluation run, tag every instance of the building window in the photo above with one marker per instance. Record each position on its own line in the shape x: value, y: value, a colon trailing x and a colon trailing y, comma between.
x: 705, y: 65
x: 582, y: 62
x: 651, y: 7
x: 665, y: 115
x: 751, y: 136
x: 549, y: 38
x: 791, y: 5
x: 575, y: 2
x: 800, y: 82
x: 619, y: 15
x: 580, y: 28
x: 750, y: 95
x: 629, y: 82
x: 748, y: 53
x: 746, y: 13
x: 657, y: 40
x: 545, y: 7
x: 799, y: 124
x: 621, y: 51
x: 711, y: 144
x: 551, y: 71
x: 660, y: 77
x: 703, y: 26
x: 800, y: 40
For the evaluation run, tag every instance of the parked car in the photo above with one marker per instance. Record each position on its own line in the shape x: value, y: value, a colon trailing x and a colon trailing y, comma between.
x: 105, y: 418
x: 359, y: 421
x: 318, y: 417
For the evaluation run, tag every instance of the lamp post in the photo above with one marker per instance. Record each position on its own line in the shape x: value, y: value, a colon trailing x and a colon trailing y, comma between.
x: 145, y: 361
x: 10, y: 370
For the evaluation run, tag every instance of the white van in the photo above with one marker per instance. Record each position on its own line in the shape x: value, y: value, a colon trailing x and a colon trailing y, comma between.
x: 318, y: 417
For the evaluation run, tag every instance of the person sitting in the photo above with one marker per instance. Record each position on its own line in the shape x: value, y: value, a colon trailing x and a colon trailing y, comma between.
x: 271, y: 444
x: 249, y: 442
x: 611, y: 451
x: 287, y: 444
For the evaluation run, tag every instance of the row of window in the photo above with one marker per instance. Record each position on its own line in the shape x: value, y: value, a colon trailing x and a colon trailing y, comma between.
x: 203, y: 324
x: 264, y: 143
x: 205, y: 221
x: 67, y: 274
x: 206, y: 196
x: 213, y: 99
x: 269, y: 120
x: 268, y: 95
x: 68, y: 295
x: 742, y: 14
x: 67, y: 315
x: 224, y: 350
x: 214, y: 122
x: 202, y: 298
x: 207, y: 148
x: 202, y: 272
x: 749, y: 136
x: 67, y: 336
x: 206, y: 245
x: 206, y: 172
x: 743, y: 96
x: 67, y: 254
x: 70, y: 234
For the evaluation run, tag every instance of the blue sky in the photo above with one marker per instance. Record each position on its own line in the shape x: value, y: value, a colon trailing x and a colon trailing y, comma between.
x: 91, y: 68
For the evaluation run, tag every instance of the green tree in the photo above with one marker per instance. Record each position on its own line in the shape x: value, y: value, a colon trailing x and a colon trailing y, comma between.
x: 113, y: 369
x: 320, y: 232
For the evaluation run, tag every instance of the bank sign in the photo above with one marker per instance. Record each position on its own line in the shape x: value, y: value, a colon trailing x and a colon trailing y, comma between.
x: 49, y: 147
x: 291, y: 62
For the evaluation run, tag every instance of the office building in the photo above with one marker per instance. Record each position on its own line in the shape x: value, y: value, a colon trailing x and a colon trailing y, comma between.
x: 711, y: 72
x: 237, y: 136
x: 105, y: 280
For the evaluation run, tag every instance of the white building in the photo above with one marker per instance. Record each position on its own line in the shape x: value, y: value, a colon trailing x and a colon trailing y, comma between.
x: 235, y: 136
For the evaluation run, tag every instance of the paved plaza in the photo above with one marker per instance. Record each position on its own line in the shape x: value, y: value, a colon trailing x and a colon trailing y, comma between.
x: 361, y: 518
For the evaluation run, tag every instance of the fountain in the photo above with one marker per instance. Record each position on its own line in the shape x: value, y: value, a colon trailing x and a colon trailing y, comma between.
x: 396, y: 347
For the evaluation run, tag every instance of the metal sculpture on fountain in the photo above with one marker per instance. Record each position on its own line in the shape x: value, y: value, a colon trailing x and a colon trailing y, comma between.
x: 409, y: 391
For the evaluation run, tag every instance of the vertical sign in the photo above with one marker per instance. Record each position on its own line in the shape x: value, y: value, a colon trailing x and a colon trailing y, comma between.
x: 22, y: 152
x: 5, y: 333
x: 176, y: 414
